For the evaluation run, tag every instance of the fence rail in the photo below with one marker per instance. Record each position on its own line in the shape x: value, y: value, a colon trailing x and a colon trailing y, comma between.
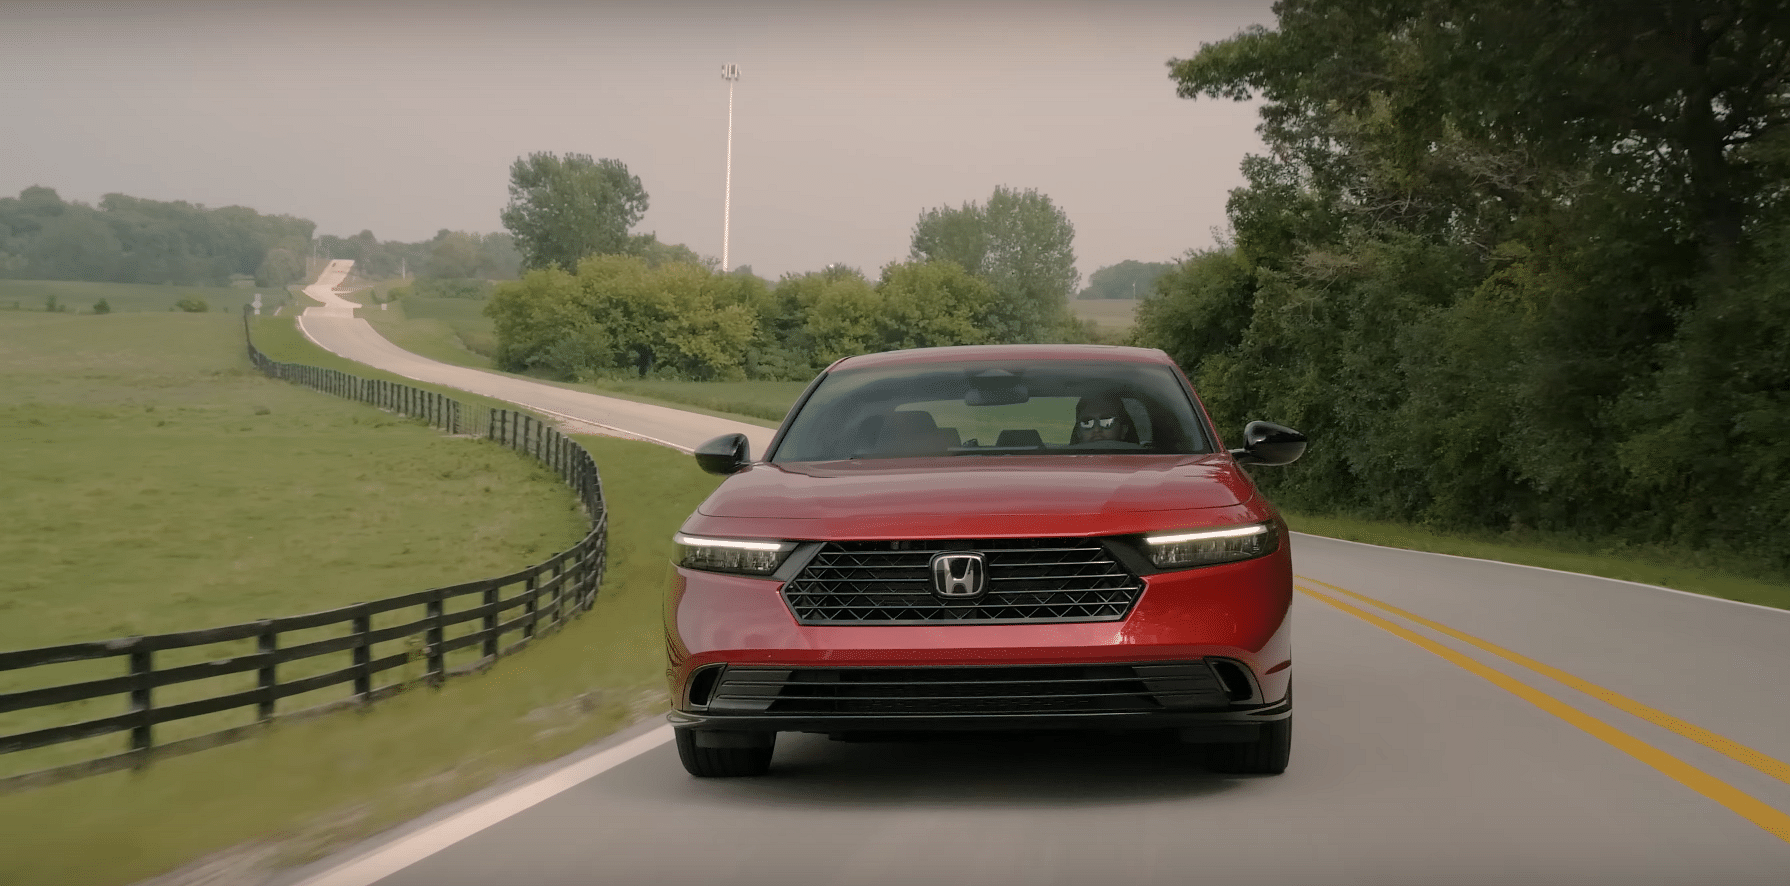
x: 235, y: 679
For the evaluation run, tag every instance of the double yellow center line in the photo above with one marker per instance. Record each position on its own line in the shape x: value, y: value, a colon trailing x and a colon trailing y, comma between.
x: 1773, y: 821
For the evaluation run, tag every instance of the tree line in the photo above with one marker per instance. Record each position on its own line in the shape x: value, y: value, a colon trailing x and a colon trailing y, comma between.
x: 1520, y: 265
x: 132, y: 240
x: 447, y: 256
x: 599, y: 299
x: 126, y: 239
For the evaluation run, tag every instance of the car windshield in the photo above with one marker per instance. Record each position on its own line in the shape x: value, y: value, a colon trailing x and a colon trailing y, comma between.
x: 1068, y: 407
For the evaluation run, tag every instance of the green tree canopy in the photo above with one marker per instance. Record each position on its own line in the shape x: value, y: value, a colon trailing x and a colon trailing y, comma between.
x: 618, y: 314
x: 1022, y: 244
x: 133, y: 240
x: 1519, y: 260
x: 562, y: 209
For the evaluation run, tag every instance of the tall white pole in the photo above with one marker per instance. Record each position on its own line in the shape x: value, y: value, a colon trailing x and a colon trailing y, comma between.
x: 730, y: 73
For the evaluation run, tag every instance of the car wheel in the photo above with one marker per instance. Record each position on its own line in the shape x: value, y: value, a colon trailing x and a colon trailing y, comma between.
x: 723, y: 762
x: 1267, y: 755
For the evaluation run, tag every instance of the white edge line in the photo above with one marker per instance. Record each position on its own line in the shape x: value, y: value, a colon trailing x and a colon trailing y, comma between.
x: 623, y: 431
x: 1625, y: 581
x: 402, y: 853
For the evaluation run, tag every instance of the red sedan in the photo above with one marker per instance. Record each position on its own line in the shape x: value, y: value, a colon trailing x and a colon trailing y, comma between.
x: 986, y: 538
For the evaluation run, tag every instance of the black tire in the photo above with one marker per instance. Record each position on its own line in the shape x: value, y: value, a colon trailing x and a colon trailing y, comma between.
x: 1267, y: 755
x: 722, y: 762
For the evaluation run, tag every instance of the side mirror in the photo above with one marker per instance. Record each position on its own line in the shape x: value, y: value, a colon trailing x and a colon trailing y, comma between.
x: 1266, y: 443
x: 725, y: 454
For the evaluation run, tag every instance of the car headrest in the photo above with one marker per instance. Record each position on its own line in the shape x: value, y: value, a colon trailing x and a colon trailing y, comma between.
x: 1020, y: 437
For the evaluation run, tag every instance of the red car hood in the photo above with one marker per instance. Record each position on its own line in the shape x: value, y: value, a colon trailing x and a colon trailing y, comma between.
x: 992, y: 495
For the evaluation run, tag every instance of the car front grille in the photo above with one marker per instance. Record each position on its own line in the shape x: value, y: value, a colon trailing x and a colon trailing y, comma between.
x: 1029, y: 581
x: 976, y: 690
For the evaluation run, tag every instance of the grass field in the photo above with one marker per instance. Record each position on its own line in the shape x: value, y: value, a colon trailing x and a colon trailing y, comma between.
x: 451, y: 330
x: 304, y: 788
x: 79, y: 297
x: 1109, y: 314
x: 1647, y: 565
x: 172, y: 430
x: 152, y: 481
x: 146, y: 445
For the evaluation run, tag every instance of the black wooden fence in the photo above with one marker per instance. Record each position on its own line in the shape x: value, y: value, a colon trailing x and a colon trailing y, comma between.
x: 191, y: 690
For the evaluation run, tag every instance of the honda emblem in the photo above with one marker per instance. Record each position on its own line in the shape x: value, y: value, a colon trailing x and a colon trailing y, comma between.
x: 959, y: 576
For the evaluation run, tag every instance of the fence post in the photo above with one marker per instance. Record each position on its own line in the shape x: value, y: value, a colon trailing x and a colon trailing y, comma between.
x: 142, y: 701
x: 267, y: 644
x: 492, y: 617
x: 532, y: 607
x: 363, y: 655
x: 559, y: 589
x: 437, y: 669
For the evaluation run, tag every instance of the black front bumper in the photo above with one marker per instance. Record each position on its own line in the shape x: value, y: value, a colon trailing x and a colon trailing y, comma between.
x: 1206, y: 699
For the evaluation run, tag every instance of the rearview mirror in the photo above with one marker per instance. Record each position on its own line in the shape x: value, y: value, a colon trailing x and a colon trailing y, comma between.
x: 725, y: 454
x: 996, y: 387
x: 1266, y: 443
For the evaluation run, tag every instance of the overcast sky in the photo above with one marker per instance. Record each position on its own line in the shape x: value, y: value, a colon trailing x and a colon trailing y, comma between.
x: 850, y: 117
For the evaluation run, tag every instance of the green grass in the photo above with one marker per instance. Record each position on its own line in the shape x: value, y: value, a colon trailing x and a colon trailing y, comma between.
x: 151, y: 481
x: 765, y: 401
x: 122, y: 462
x: 450, y: 330
x: 280, y: 339
x: 304, y: 788
x: 79, y: 296
x: 1109, y: 314
x: 1654, y: 566
x: 130, y: 503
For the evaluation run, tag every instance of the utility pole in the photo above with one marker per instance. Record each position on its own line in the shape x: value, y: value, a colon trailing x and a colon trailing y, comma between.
x: 730, y: 73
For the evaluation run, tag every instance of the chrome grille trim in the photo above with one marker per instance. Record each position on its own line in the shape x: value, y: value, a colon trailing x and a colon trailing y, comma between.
x: 1031, y: 581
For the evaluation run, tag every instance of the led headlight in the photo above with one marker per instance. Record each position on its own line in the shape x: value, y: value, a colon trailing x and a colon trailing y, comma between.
x: 751, y: 556
x: 1204, y: 547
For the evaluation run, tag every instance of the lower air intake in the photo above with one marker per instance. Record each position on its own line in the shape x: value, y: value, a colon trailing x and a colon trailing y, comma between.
x: 980, y: 690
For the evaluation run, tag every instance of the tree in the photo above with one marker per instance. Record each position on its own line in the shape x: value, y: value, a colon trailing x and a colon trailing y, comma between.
x: 655, y: 253
x: 545, y: 323
x: 498, y: 258
x: 75, y: 244
x: 563, y: 209
x: 1022, y: 244
x: 1522, y: 257
x: 279, y: 268
x: 1127, y: 279
x: 618, y: 314
x: 455, y: 255
x: 954, y: 235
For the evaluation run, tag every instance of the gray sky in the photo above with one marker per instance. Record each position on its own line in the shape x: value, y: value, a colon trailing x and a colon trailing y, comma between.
x: 849, y: 119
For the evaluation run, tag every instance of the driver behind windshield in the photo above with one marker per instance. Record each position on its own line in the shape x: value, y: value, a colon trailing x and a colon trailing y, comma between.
x: 1102, y: 417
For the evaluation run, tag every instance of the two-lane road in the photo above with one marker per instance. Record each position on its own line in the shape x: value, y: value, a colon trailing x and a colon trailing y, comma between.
x: 1459, y: 721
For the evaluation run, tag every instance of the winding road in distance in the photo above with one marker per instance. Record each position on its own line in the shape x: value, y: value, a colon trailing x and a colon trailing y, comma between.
x: 1459, y: 722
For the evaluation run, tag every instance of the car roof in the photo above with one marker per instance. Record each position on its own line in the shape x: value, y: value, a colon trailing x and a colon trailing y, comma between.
x: 964, y: 353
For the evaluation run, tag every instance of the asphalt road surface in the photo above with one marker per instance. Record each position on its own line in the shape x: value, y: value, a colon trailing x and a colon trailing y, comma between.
x: 1458, y: 722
